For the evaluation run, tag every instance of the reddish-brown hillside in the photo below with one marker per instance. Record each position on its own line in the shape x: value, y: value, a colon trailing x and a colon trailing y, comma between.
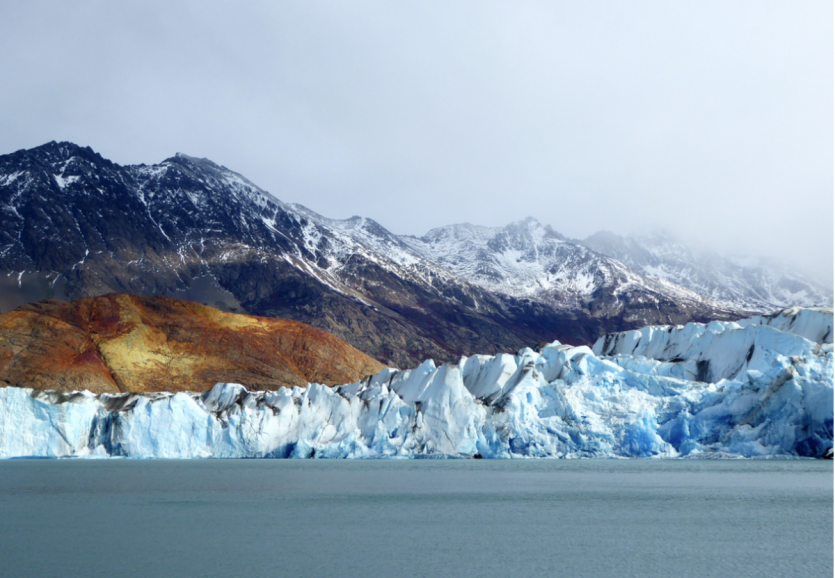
x: 120, y: 343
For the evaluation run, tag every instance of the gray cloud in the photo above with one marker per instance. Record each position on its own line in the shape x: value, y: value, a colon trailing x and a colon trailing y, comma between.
x: 710, y: 119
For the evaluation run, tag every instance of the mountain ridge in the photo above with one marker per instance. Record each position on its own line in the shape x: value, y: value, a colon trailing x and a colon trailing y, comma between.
x: 77, y: 225
x: 760, y: 287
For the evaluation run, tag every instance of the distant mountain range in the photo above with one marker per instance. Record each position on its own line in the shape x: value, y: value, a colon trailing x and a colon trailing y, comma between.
x: 758, y: 284
x: 73, y: 224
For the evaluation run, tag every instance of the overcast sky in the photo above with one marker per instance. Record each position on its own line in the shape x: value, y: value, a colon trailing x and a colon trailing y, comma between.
x: 710, y: 119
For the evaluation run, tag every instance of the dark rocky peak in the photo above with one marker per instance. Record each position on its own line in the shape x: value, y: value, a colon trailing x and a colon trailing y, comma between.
x: 58, y: 166
x: 197, y: 166
x: 208, y: 180
x: 56, y: 158
x: 61, y: 151
x: 57, y: 172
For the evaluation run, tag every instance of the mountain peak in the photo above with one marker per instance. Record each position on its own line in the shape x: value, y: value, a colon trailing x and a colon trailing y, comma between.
x: 63, y: 147
x: 532, y: 227
x: 55, y: 152
x: 459, y: 231
x: 202, y: 163
x: 208, y: 171
x: 530, y: 221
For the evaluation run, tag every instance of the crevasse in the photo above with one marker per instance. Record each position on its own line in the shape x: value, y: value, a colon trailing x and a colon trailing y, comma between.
x: 758, y: 387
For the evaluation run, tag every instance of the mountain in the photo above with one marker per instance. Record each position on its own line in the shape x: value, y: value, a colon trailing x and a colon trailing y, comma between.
x: 757, y: 285
x: 73, y: 224
x: 528, y: 260
x: 76, y: 225
x: 124, y: 343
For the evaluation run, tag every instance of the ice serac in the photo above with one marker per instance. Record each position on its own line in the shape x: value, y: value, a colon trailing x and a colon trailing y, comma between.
x: 758, y: 387
x: 724, y: 350
x: 812, y: 323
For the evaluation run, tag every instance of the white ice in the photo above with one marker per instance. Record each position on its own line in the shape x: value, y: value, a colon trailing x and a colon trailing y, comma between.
x: 758, y: 387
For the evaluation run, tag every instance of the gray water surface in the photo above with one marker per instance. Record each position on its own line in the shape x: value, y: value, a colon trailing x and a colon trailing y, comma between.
x: 431, y: 518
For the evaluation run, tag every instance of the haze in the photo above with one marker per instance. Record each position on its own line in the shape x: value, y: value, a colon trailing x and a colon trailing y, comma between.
x: 713, y: 120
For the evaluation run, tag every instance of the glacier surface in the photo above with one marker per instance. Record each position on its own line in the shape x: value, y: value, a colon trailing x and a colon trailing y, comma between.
x: 759, y: 387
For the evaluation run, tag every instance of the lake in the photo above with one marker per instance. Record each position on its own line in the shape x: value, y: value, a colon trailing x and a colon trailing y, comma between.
x: 426, y: 518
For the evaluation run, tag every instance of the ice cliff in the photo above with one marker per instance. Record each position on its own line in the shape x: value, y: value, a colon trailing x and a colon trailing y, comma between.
x: 762, y: 386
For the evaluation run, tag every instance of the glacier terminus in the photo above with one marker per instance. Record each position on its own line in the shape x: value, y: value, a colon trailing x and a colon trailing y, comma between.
x: 761, y: 386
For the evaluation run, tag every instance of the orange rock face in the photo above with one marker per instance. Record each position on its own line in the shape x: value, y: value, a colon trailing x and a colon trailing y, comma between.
x: 126, y: 343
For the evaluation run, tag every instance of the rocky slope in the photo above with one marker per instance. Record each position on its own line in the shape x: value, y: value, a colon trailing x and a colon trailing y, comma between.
x: 124, y: 343
x: 73, y: 224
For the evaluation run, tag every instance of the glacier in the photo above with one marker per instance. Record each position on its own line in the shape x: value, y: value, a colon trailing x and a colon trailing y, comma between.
x: 758, y: 387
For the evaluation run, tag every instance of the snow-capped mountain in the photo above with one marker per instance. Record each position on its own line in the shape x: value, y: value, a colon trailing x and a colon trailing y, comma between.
x: 756, y: 285
x: 73, y: 224
x: 531, y: 260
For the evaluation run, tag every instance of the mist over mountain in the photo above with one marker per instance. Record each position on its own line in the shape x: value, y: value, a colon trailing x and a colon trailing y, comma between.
x: 75, y: 224
x: 752, y: 283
